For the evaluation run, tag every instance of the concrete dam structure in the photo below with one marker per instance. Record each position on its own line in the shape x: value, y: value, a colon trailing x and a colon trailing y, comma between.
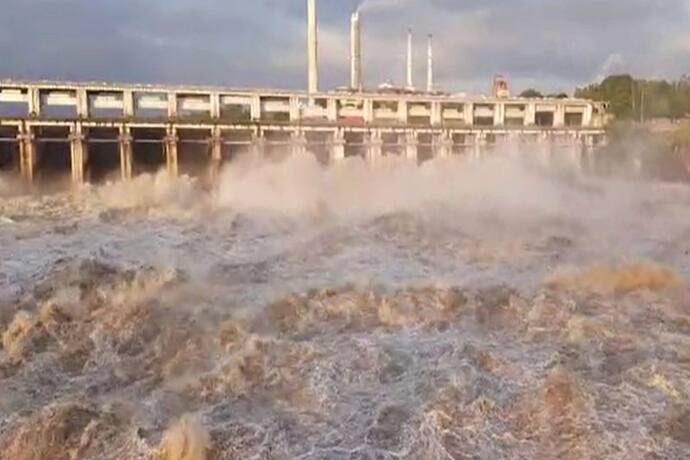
x: 90, y: 130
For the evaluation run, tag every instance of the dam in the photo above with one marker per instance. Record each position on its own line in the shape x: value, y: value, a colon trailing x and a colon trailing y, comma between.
x: 138, y: 127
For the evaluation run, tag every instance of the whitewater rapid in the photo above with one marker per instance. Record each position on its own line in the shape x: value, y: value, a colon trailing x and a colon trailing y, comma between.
x: 501, y: 309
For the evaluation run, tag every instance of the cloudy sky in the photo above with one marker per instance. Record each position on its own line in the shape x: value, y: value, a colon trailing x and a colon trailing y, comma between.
x: 549, y: 44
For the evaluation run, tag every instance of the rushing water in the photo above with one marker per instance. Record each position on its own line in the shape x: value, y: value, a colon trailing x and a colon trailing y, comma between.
x: 449, y: 311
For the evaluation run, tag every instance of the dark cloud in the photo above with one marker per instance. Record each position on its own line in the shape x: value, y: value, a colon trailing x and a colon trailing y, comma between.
x: 554, y: 44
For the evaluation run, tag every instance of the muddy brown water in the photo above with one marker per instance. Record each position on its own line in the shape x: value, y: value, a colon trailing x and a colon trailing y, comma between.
x: 452, y: 311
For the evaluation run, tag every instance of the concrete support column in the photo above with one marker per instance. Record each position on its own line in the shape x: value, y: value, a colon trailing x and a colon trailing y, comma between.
x: 78, y: 153
x: 443, y: 145
x: 499, y: 114
x: 34, y: 102
x: 479, y: 146
x: 128, y: 104
x: 172, y: 105
x: 531, y: 114
x: 338, y: 146
x: 170, y: 144
x: 402, y: 112
x: 298, y: 143
x: 559, y: 116
x: 436, y: 115
x: 125, y: 144
x: 258, y: 145
x: 332, y: 109
x: 411, y: 146
x: 468, y: 113
x: 216, y: 146
x: 374, y: 147
x: 215, y: 105
x: 256, y: 108
x: 368, y: 110
x: 294, y: 109
x: 587, y: 116
x: 27, y: 153
x: 82, y: 104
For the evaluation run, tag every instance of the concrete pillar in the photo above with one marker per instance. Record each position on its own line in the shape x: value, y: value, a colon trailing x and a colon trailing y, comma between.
x: 332, y: 109
x: 298, y: 143
x: 294, y: 109
x: 436, y: 115
x: 215, y: 105
x: 411, y: 146
x: 170, y: 144
x: 559, y: 116
x: 368, y: 110
x: 468, y: 113
x: 256, y: 108
x: 338, y: 146
x: 531, y: 114
x: 78, y: 153
x: 125, y: 144
x: 402, y: 112
x: 479, y: 146
x: 34, y: 98
x: 27, y: 153
x: 128, y: 104
x: 258, y: 145
x: 374, y: 147
x: 82, y: 104
x: 587, y: 116
x: 216, y: 146
x: 172, y: 105
x: 499, y: 114
x: 443, y: 145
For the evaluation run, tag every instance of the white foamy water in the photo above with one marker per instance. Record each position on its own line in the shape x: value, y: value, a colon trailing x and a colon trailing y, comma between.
x: 451, y: 310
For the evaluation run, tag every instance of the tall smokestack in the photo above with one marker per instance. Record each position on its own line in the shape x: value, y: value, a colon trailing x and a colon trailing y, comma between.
x: 355, y: 53
x: 410, y: 84
x: 312, y: 46
x: 430, y: 66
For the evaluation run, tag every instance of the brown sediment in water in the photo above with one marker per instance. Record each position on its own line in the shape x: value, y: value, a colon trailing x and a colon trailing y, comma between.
x: 187, y: 439
x: 361, y: 309
x: 302, y: 359
x: 381, y: 331
x: 621, y: 279
x: 64, y: 431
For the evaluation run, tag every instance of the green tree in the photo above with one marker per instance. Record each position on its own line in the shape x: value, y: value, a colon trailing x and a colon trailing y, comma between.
x: 632, y: 99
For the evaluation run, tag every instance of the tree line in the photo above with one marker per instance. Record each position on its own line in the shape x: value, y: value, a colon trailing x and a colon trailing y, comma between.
x: 633, y: 99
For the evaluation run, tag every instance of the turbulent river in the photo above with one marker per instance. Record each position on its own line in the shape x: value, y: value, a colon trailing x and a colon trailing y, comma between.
x: 493, y: 310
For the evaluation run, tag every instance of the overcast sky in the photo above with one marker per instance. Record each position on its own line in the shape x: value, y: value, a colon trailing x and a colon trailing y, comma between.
x: 548, y: 44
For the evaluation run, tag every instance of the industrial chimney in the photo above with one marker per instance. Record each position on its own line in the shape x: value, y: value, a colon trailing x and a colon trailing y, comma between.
x: 355, y: 53
x: 430, y: 68
x: 312, y: 46
x: 410, y: 84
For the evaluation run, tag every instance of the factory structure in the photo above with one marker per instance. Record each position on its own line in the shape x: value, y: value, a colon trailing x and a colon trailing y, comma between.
x: 96, y: 130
